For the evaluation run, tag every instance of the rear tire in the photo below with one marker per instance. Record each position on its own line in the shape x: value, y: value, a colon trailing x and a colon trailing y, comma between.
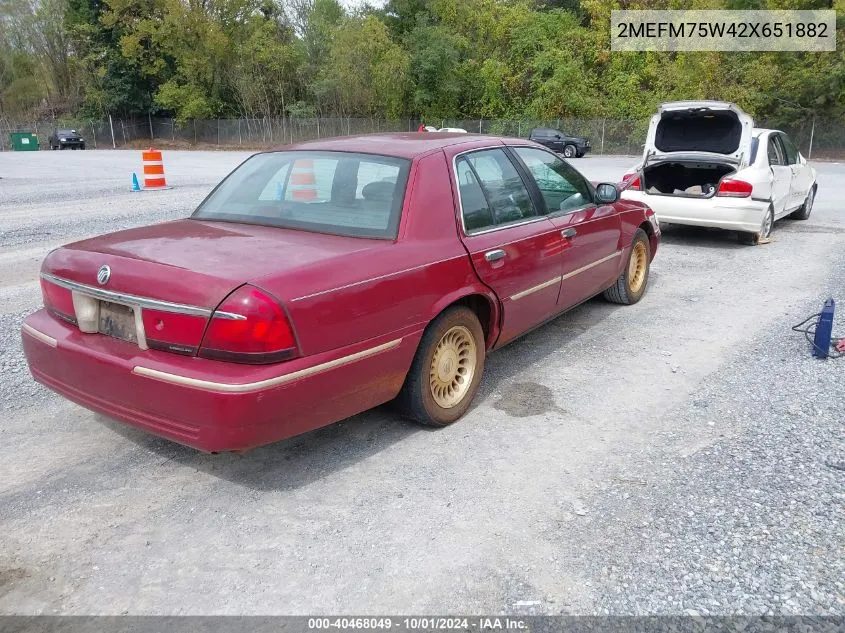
x: 752, y: 239
x: 804, y: 212
x: 631, y: 285
x: 446, y: 371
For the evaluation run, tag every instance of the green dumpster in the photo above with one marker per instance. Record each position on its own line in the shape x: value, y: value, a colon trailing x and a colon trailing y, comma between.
x: 23, y: 141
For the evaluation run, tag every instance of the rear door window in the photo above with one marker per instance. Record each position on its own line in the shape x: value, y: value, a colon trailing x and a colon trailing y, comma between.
x: 491, y: 173
x: 789, y: 147
x: 358, y: 195
x: 775, y: 151
x: 477, y: 214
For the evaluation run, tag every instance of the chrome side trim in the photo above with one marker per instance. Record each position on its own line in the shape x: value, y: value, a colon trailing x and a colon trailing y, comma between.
x: 49, y: 340
x: 209, y: 385
x: 525, y: 293
x: 134, y: 300
x: 590, y: 265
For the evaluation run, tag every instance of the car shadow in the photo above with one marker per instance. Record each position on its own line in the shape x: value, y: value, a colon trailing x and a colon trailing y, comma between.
x: 699, y: 237
x: 299, y: 461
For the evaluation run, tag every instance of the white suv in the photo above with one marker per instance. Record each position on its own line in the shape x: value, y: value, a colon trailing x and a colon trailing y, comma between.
x: 705, y: 164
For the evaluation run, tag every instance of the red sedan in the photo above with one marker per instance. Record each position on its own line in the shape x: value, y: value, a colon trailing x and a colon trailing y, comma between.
x: 323, y: 279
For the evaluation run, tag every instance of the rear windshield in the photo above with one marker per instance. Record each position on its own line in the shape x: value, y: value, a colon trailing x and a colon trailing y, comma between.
x: 359, y: 195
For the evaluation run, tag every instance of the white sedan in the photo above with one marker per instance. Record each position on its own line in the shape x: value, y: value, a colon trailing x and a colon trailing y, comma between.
x: 706, y: 165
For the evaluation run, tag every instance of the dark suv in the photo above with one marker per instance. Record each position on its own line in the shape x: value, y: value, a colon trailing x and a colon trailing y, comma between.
x: 65, y: 137
x: 557, y: 141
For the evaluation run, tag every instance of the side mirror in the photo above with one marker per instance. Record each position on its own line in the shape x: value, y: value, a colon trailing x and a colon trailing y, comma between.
x: 607, y: 193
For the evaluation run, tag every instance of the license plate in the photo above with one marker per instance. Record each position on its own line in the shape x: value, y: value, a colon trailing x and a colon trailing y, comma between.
x: 118, y: 321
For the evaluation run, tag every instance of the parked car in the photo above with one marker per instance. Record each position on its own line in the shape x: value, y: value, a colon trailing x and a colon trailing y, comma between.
x: 322, y: 279
x: 705, y: 164
x: 454, y: 130
x: 569, y: 146
x: 65, y: 137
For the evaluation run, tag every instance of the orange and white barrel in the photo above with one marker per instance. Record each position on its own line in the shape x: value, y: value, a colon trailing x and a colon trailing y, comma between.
x: 153, y: 169
x: 303, y: 183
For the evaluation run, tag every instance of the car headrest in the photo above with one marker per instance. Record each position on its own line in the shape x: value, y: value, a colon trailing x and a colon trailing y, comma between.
x: 381, y: 190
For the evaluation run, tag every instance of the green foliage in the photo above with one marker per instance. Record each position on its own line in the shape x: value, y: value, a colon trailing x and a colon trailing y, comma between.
x: 433, y: 59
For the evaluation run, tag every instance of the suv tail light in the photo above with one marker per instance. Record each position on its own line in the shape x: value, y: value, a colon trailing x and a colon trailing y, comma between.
x: 734, y: 188
x: 58, y: 300
x: 249, y: 327
x: 631, y: 181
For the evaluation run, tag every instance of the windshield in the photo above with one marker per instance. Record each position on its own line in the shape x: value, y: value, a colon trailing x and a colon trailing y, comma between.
x: 358, y: 195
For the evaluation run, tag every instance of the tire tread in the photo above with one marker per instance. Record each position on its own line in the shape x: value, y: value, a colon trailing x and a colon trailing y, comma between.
x: 409, y: 401
x: 618, y: 292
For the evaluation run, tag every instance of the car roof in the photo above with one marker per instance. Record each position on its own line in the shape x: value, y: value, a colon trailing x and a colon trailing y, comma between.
x: 757, y: 132
x: 402, y: 144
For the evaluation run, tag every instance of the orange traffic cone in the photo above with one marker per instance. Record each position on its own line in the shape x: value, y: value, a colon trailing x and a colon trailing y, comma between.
x: 303, y: 183
x: 153, y: 170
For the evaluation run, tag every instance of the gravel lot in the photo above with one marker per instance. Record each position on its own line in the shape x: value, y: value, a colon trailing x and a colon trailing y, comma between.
x: 684, y: 455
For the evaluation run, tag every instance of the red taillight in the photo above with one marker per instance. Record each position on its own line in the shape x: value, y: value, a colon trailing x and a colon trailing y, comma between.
x: 249, y: 327
x: 173, y: 332
x: 631, y: 181
x: 58, y: 300
x: 734, y: 188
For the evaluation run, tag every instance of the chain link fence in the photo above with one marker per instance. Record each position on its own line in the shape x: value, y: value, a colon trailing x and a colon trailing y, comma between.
x: 816, y: 138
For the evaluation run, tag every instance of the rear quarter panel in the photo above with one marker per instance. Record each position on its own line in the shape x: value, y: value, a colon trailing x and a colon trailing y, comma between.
x: 398, y: 289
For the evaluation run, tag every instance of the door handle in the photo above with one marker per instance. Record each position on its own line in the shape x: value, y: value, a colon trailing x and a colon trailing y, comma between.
x: 569, y: 232
x: 494, y: 256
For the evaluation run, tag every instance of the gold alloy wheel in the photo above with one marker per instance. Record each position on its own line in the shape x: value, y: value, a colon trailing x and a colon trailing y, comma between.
x: 637, y: 267
x: 452, y: 367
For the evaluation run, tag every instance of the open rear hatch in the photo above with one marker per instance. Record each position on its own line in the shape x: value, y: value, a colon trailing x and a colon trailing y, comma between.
x: 692, y: 146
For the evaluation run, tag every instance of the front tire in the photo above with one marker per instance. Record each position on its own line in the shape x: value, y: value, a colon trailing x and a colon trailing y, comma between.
x: 804, y: 212
x: 446, y: 371
x: 631, y: 285
x: 569, y: 151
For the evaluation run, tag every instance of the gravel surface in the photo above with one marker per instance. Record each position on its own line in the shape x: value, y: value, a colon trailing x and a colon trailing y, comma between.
x: 751, y: 519
x: 683, y: 455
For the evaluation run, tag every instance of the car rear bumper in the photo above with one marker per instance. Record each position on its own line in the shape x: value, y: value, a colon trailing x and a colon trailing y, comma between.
x: 212, y: 405
x: 734, y: 214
